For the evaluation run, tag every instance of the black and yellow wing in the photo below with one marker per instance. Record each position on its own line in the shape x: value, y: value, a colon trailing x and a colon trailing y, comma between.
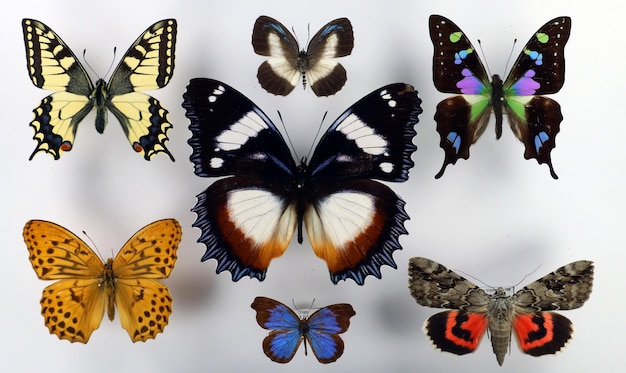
x: 148, y: 64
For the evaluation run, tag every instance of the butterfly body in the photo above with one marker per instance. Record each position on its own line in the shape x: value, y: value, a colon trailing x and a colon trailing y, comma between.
x: 288, y: 63
x: 524, y: 313
x: 534, y: 119
x: 319, y: 329
x: 249, y: 217
x: 148, y: 64
x: 74, y: 306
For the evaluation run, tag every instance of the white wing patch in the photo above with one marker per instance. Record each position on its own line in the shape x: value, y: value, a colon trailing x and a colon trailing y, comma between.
x: 339, y: 218
x: 262, y: 215
x: 240, y: 132
x: 280, y: 62
x: 364, y: 136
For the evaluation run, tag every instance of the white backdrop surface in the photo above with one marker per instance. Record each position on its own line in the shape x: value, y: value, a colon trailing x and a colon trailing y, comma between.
x: 495, y: 216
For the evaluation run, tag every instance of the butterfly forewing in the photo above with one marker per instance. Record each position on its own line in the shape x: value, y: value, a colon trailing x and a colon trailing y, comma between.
x: 149, y: 62
x: 56, y: 253
x: 51, y: 64
x: 540, y: 68
x: 455, y: 59
x: 231, y: 135
x: 372, y: 139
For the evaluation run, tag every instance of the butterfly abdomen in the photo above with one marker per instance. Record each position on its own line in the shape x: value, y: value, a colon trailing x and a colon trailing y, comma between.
x: 497, y: 99
x: 99, y: 98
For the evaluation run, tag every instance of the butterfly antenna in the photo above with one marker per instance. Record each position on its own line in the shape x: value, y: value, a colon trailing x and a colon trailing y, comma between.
x: 93, y: 244
x: 91, y: 68
x: 506, y: 67
x: 319, y: 129
x: 482, y: 51
x: 293, y: 149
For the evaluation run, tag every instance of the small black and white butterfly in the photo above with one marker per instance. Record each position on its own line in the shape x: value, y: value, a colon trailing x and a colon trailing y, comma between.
x: 249, y: 218
x: 317, y: 65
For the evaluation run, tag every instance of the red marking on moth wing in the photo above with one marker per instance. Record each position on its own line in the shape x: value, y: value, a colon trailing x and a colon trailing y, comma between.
x: 251, y: 253
x: 347, y: 255
x: 542, y: 333
x: 459, y: 325
x: 525, y: 325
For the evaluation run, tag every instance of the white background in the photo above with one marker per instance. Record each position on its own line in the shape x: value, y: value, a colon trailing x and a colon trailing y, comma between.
x: 495, y: 216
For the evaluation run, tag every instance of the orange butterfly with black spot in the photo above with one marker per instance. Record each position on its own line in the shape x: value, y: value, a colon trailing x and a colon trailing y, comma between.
x: 74, y: 306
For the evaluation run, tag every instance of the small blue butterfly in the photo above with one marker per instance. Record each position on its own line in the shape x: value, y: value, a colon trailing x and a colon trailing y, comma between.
x: 320, y: 329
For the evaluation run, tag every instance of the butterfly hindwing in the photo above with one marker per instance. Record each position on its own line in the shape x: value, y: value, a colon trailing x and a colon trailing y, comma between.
x: 538, y: 331
x: 148, y: 64
x: 320, y: 329
x: 280, y: 73
x: 249, y: 218
x: 534, y: 119
x: 74, y: 306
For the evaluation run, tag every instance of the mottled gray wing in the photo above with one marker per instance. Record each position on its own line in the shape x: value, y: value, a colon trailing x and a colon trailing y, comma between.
x: 434, y: 285
x: 564, y: 289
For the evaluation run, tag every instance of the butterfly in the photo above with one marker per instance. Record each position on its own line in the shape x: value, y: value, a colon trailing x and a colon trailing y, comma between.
x: 148, y: 64
x: 279, y: 75
x: 534, y: 119
x: 538, y: 332
x: 73, y: 307
x: 249, y: 218
x: 320, y: 329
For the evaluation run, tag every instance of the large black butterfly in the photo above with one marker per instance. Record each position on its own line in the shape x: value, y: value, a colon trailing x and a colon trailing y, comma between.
x: 317, y: 65
x: 148, y: 64
x: 534, y: 119
x: 247, y: 219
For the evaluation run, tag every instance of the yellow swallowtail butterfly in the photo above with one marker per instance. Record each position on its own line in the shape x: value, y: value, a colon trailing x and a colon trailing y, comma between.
x: 148, y: 64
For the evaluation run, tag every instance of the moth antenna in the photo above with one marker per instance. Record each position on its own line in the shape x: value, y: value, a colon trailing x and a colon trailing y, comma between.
x: 506, y: 67
x: 293, y: 149
x: 477, y: 279
x: 482, y: 51
x: 319, y: 129
x: 528, y: 274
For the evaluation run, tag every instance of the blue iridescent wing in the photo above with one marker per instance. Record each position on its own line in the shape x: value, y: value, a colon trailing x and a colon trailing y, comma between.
x: 285, y: 329
x: 324, y: 327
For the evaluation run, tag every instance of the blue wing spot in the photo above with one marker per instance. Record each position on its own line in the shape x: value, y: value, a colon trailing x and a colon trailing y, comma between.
x: 540, y: 139
x: 536, y: 56
x: 455, y: 139
x: 460, y: 56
